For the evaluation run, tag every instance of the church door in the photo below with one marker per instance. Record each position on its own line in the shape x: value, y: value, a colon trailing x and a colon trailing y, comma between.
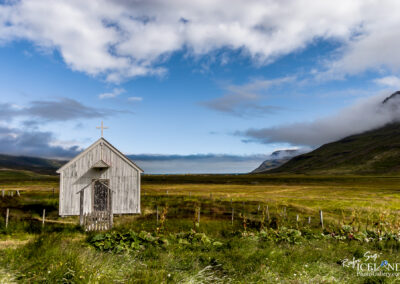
x: 101, y: 195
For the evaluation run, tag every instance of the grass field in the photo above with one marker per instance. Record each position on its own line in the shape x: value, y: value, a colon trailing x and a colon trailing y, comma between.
x: 360, y: 214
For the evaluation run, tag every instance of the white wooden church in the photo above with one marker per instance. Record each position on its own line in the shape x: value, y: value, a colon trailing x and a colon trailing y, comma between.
x: 100, y: 181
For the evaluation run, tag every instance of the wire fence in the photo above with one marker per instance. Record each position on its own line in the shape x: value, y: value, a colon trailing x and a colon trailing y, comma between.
x: 238, y: 213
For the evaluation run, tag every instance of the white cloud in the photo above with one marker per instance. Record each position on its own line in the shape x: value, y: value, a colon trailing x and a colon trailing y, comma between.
x: 389, y: 81
x: 375, y: 43
x: 115, y: 93
x: 135, y: 99
x: 123, y: 39
x: 364, y: 115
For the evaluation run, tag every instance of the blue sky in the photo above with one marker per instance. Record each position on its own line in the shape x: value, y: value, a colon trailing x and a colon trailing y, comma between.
x: 193, y: 79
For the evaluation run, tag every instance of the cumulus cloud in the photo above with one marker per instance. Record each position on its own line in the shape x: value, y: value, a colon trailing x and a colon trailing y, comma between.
x: 54, y: 110
x: 364, y: 115
x: 245, y: 100
x: 121, y: 39
x: 200, y: 163
x: 376, y: 43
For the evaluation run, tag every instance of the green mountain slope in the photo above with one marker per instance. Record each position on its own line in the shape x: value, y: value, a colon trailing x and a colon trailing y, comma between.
x: 38, y: 165
x: 373, y: 152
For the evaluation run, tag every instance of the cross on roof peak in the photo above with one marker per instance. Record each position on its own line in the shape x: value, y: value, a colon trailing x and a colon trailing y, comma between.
x: 102, y: 127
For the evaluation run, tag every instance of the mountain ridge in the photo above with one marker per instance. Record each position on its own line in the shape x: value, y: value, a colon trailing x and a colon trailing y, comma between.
x: 34, y: 164
x: 276, y: 159
x: 372, y: 152
x: 375, y: 151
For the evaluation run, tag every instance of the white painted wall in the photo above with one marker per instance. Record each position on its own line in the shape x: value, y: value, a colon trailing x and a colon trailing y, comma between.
x: 124, y: 181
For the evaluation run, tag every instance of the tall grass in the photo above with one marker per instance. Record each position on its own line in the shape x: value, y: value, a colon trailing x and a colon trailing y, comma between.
x: 67, y: 258
x: 254, y: 248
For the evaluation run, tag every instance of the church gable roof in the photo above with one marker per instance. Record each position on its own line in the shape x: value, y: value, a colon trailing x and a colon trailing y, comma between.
x: 115, y: 150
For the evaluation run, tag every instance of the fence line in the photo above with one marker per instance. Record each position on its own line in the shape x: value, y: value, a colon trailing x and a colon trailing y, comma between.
x: 43, y: 217
x: 321, y: 218
x: 7, y: 215
x: 251, y: 211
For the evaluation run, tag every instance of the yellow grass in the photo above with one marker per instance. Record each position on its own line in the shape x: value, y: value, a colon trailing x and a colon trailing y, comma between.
x: 310, y: 197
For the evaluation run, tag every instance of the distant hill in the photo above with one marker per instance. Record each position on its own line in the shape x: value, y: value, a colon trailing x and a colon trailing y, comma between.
x: 38, y: 165
x: 276, y: 159
x: 372, y: 152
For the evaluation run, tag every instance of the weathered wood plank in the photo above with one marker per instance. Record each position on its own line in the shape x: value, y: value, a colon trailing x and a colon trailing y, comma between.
x: 124, y: 181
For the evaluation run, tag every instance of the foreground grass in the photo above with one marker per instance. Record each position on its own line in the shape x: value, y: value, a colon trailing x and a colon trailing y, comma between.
x: 67, y: 258
x: 61, y: 253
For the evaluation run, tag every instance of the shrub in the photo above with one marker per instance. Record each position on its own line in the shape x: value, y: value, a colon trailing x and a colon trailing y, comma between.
x: 196, y: 240
x: 120, y: 242
x: 131, y: 241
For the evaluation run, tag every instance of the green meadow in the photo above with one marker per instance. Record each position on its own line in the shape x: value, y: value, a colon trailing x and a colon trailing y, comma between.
x: 208, y: 229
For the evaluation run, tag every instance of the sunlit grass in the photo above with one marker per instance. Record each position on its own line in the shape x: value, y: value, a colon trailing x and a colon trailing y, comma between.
x: 59, y: 251
x: 330, y: 198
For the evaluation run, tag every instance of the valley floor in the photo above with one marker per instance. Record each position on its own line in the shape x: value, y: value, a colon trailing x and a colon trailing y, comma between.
x: 271, y: 238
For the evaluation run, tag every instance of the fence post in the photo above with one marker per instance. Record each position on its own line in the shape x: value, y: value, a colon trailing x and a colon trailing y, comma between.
x: 7, y: 214
x: 233, y: 211
x: 321, y: 218
x: 309, y: 220
x: 12, y: 193
x: 2, y: 193
x: 43, y: 217
x: 18, y: 193
x: 231, y: 202
x: 258, y: 209
x: 198, y: 216
x: 167, y: 192
x: 157, y: 214
x: 190, y: 194
x: 297, y: 218
x: 267, y: 213
x: 284, y: 212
